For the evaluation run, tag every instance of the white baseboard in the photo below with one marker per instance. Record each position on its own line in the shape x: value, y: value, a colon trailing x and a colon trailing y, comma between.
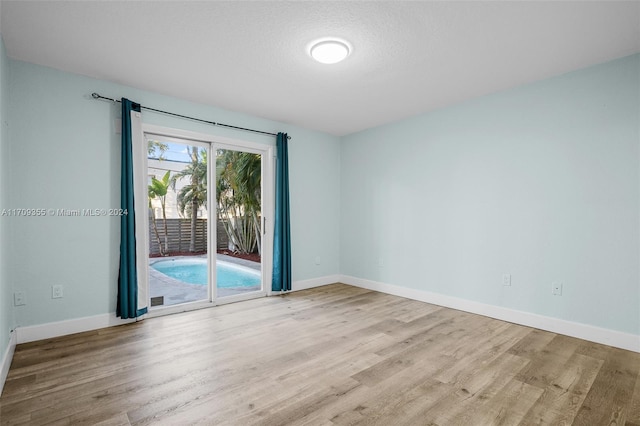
x: 315, y: 282
x: 592, y: 333
x: 62, y: 328
x: 6, y: 360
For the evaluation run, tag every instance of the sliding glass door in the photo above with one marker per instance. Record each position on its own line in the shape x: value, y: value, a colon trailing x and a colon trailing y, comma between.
x: 206, y: 233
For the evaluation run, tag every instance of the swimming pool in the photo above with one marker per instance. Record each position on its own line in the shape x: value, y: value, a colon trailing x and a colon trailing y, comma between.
x: 194, y: 271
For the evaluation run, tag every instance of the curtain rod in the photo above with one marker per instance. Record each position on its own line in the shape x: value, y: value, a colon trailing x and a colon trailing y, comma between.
x: 94, y: 95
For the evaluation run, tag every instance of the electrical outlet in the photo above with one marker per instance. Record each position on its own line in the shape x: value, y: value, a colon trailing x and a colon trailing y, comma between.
x: 19, y: 298
x: 506, y: 279
x: 56, y: 291
x: 317, y: 260
x: 556, y: 288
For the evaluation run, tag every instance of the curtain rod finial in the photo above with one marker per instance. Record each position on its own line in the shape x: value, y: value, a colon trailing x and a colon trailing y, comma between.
x: 94, y: 95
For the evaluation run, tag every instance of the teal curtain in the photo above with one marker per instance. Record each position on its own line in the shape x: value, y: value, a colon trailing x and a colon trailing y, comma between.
x: 281, y: 279
x: 127, y: 306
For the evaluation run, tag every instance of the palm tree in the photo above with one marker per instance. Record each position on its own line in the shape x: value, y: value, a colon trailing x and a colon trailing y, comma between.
x: 154, y: 221
x: 193, y: 195
x: 156, y: 149
x: 248, y: 190
x: 158, y: 189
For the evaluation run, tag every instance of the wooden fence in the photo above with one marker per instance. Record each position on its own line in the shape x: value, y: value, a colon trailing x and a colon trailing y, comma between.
x: 179, y: 236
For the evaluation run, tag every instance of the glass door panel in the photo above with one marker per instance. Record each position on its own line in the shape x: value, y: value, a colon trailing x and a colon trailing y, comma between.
x: 178, y: 221
x: 239, y: 227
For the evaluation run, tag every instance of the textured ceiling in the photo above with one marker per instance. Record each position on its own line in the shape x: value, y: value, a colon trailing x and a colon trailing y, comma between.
x: 408, y: 57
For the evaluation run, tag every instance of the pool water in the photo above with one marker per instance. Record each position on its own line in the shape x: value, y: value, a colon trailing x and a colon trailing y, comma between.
x: 194, y: 271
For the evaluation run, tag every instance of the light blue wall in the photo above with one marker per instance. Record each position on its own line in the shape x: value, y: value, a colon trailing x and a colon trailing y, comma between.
x: 541, y: 182
x: 6, y: 296
x: 65, y: 154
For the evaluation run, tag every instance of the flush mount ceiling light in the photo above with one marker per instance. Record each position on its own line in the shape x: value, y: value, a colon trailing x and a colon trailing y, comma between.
x: 329, y: 51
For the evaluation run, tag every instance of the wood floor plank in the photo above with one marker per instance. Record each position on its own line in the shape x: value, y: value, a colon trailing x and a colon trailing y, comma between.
x: 550, y: 363
x: 633, y: 419
x: 409, y: 386
x: 425, y: 329
x: 396, y: 406
x: 117, y: 420
x: 532, y: 344
x: 472, y: 355
x: 561, y: 400
x: 610, y: 396
x: 511, y: 405
x: 475, y: 388
x: 505, y: 403
x: 333, y: 355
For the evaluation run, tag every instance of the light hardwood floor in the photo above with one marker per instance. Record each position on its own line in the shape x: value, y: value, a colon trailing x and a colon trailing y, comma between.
x: 334, y: 355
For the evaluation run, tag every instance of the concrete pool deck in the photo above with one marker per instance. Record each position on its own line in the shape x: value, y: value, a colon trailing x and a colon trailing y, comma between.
x: 175, y: 292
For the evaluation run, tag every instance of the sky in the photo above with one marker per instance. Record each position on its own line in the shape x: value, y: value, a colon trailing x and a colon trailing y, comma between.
x: 176, y: 152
